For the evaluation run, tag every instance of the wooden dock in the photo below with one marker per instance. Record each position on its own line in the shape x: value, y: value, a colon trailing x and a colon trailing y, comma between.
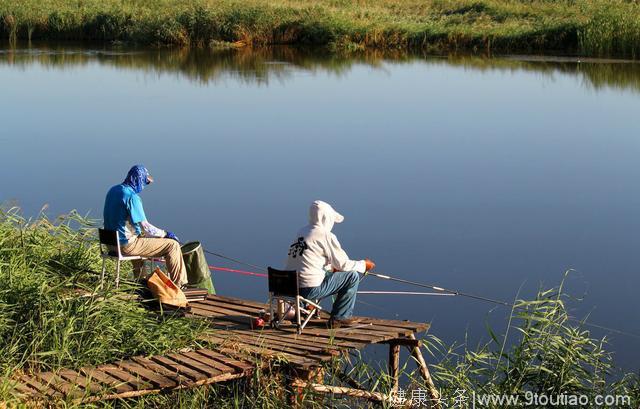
x: 237, y: 349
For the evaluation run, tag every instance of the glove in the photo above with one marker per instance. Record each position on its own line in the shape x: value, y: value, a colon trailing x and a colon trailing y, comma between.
x: 172, y: 236
x: 370, y: 265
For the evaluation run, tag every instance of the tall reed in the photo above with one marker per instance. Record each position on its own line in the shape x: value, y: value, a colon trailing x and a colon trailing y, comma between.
x: 589, y: 27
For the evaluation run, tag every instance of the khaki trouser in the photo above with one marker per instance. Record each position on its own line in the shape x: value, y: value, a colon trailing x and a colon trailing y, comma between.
x: 155, y: 247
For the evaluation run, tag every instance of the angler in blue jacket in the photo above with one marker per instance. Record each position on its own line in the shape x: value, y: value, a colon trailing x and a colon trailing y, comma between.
x: 123, y: 212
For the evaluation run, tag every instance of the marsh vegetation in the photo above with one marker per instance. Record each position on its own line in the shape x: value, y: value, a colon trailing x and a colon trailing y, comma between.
x: 589, y: 27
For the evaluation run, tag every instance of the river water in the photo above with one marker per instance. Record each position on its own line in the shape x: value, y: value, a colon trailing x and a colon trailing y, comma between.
x: 486, y: 175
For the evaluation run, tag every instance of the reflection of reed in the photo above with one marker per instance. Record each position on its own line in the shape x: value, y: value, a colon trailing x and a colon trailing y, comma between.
x: 260, y: 66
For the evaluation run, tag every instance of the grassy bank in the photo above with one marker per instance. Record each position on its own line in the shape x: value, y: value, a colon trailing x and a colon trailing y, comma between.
x: 590, y: 27
x: 45, y: 324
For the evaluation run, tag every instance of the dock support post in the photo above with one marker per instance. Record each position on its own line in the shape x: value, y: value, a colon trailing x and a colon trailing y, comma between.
x: 394, y: 365
x: 434, y: 395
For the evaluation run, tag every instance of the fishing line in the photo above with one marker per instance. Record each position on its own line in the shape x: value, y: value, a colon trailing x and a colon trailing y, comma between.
x: 244, y: 263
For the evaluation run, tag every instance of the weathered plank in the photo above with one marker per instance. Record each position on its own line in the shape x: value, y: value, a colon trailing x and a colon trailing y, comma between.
x: 207, y: 370
x: 162, y: 370
x: 157, y: 380
x: 241, y: 366
x: 113, y: 383
x: 179, y: 368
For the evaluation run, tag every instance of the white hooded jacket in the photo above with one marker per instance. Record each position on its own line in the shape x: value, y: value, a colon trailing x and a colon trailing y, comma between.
x: 316, y: 247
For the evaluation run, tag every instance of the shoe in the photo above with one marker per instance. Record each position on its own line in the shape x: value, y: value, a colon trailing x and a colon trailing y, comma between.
x: 340, y: 323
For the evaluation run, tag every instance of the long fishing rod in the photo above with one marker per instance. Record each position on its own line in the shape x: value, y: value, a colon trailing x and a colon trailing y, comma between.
x: 436, y: 288
x: 404, y: 293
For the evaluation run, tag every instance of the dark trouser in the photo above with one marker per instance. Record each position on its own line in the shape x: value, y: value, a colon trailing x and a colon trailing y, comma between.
x: 344, y: 284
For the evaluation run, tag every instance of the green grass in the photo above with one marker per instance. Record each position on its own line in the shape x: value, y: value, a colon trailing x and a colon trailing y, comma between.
x: 45, y: 325
x: 590, y: 27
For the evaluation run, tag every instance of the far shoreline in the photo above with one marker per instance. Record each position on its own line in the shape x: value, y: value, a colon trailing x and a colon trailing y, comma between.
x: 586, y: 28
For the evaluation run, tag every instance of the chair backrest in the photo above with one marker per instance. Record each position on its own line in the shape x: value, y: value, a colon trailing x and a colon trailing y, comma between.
x: 109, y: 239
x: 283, y: 283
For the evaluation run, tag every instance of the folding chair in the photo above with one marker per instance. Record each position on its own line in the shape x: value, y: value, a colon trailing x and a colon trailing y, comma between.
x: 110, y: 248
x: 283, y: 288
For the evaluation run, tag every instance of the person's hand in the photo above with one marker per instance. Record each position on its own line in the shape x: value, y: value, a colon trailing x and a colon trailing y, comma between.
x: 171, y: 236
x: 370, y: 265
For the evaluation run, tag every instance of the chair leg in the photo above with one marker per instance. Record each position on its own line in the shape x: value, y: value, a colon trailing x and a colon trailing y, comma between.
x: 298, y: 320
x: 117, y: 273
x: 104, y: 268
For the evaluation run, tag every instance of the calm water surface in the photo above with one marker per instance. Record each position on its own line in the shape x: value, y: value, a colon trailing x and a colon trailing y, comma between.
x: 484, y: 175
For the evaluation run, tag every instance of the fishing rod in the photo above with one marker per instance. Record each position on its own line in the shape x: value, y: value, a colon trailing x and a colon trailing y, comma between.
x: 405, y: 293
x: 436, y: 288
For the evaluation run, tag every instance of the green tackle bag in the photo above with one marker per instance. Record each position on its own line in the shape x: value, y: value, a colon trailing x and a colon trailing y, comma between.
x: 198, y: 271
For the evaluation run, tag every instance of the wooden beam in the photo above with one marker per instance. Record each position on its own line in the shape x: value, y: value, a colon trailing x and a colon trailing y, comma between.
x: 434, y: 395
x: 341, y: 390
x: 407, y: 342
x: 394, y: 366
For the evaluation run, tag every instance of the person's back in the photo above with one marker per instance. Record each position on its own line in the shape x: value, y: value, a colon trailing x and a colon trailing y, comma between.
x: 117, y: 212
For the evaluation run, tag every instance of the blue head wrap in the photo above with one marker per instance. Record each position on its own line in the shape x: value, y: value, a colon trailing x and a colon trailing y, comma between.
x: 137, y: 178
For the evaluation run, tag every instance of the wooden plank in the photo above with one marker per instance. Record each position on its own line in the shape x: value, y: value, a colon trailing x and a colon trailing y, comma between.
x: 253, y: 311
x: 118, y: 373
x: 58, y: 383
x: 215, y: 310
x: 239, y: 365
x: 155, y: 379
x: 106, y: 379
x: 271, y: 340
x: 280, y: 346
x: 111, y: 382
x: 162, y: 370
x: 410, y: 325
x: 344, y: 334
x: 228, y: 315
x: 297, y: 341
x: 78, y: 379
x: 43, y: 388
x: 24, y: 389
x: 238, y: 301
x: 216, y: 320
x: 261, y: 352
x: 179, y: 368
x: 408, y: 342
x: 209, y: 371
x: 323, y: 337
x: 220, y: 366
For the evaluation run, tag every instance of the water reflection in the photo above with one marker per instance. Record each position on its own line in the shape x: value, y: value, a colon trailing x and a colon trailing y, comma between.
x: 262, y: 66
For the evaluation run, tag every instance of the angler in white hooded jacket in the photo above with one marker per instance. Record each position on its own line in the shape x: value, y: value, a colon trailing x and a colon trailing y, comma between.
x: 323, y: 267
